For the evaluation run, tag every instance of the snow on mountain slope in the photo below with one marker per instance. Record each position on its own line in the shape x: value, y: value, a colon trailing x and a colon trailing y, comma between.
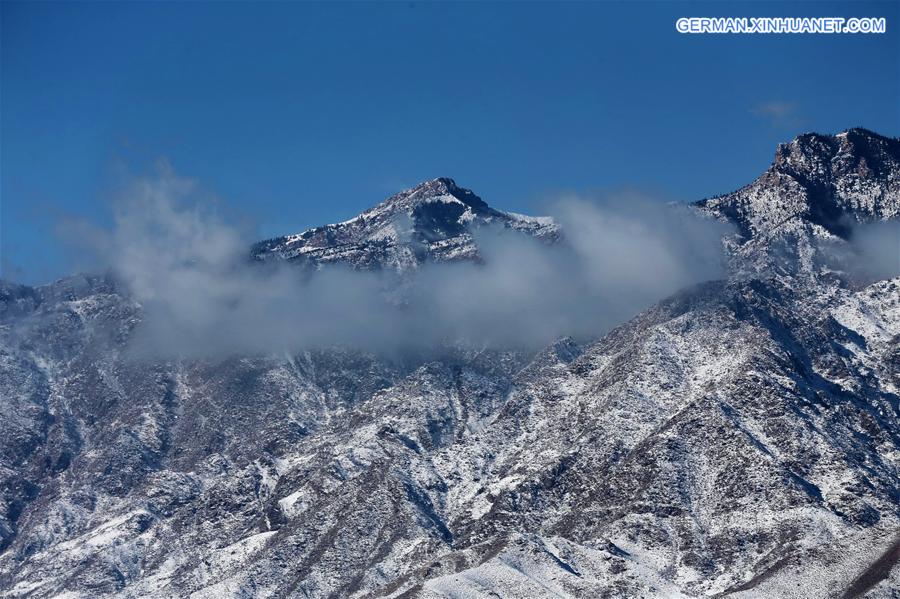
x: 739, y: 438
x: 829, y: 181
x: 432, y: 221
x: 818, y: 188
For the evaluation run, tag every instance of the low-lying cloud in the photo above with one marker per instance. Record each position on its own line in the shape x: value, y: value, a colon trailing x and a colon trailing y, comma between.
x: 875, y: 251
x: 202, y: 296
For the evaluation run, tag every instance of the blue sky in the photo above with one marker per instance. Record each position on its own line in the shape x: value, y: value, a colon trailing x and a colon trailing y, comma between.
x: 298, y: 114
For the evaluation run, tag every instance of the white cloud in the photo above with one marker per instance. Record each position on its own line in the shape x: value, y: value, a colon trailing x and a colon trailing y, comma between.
x: 778, y: 113
x: 202, y: 296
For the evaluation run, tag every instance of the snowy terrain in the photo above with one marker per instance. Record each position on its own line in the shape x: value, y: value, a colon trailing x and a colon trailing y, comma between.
x: 740, y: 438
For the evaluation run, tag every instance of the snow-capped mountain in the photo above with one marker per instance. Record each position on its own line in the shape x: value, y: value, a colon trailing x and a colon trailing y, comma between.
x: 816, y: 190
x: 432, y: 221
x: 740, y: 438
x: 828, y: 181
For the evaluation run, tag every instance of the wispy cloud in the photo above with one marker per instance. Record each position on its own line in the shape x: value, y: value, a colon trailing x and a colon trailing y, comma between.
x: 778, y: 113
x: 201, y: 295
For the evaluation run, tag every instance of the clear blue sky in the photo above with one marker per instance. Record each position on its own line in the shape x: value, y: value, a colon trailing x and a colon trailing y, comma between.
x: 300, y: 114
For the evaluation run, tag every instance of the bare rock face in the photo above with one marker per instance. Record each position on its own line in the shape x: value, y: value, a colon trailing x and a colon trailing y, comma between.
x: 739, y: 438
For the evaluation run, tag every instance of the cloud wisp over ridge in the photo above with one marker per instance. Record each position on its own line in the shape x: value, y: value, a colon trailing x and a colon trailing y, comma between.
x: 202, y: 296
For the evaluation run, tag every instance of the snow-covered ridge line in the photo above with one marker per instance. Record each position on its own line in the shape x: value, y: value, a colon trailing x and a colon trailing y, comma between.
x: 429, y: 222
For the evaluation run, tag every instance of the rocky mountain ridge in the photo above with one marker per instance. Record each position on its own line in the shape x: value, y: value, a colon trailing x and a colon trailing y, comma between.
x: 818, y: 189
x: 828, y: 181
x: 432, y: 221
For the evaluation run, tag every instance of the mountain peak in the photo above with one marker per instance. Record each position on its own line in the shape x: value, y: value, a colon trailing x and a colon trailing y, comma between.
x: 430, y: 188
x: 862, y: 132
x: 437, y: 185
x: 430, y: 221
x: 441, y: 189
x: 811, y: 154
x: 830, y: 181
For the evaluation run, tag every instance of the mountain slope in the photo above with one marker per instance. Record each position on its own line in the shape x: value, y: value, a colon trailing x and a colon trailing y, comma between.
x: 739, y: 438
